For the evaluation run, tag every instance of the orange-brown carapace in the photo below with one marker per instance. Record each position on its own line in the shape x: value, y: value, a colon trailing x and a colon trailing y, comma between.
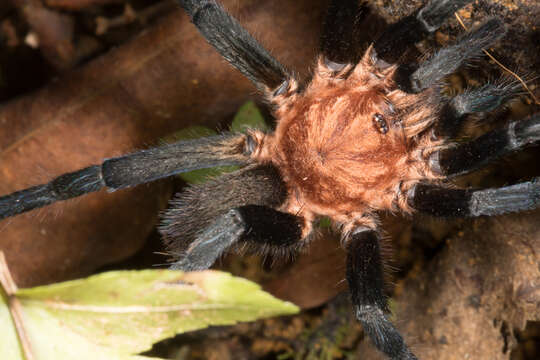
x: 351, y: 143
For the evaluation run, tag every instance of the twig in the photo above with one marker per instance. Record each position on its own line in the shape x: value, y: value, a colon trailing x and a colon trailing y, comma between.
x: 54, y: 30
x: 501, y: 65
x: 15, y: 308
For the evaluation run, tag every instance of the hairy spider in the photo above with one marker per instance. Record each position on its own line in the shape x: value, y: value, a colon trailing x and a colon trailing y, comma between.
x: 363, y: 136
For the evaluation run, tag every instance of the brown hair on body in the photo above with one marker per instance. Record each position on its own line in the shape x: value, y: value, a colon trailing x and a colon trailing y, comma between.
x: 351, y: 143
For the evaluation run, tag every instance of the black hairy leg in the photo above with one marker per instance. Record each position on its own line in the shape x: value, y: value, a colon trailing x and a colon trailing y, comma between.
x: 132, y: 169
x: 199, y: 206
x: 339, y: 38
x: 64, y: 187
x: 448, y: 59
x: 470, y: 156
x: 365, y: 276
x: 235, y: 44
x: 398, y: 37
x: 258, y: 226
x: 483, y: 99
x: 441, y: 201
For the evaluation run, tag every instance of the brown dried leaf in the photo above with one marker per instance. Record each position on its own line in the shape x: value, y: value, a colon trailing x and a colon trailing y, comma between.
x: 165, y: 79
x: 78, y: 4
x: 316, y: 276
x: 54, y: 31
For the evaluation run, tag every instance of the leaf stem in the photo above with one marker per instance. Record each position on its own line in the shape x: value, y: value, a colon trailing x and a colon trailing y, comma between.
x: 8, y: 286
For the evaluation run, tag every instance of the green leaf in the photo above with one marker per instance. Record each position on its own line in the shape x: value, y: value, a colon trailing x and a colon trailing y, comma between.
x: 201, y: 175
x: 193, y: 132
x: 9, y: 343
x: 116, y: 315
x: 325, y: 222
x: 248, y: 117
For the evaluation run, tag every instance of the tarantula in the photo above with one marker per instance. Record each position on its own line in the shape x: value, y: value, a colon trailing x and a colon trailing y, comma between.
x: 365, y: 135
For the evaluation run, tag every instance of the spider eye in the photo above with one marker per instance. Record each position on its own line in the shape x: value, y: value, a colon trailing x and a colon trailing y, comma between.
x: 380, y: 123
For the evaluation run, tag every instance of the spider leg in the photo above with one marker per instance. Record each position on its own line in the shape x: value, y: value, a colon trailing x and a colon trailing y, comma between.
x: 441, y: 201
x: 339, y: 35
x: 482, y: 99
x: 235, y: 44
x: 409, y: 30
x: 472, y: 155
x: 199, y: 206
x: 448, y: 59
x: 132, y: 169
x: 366, y: 284
x: 259, y: 225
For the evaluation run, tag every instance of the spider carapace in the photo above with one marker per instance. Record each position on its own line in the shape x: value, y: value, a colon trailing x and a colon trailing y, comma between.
x: 351, y: 143
x: 363, y: 135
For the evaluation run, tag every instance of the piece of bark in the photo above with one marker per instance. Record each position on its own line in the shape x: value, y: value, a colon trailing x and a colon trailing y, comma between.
x: 129, y: 16
x: 78, y: 4
x: 55, y: 32
x: 466, y: 303
x: 9, y: 33
x: 165, y: 79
